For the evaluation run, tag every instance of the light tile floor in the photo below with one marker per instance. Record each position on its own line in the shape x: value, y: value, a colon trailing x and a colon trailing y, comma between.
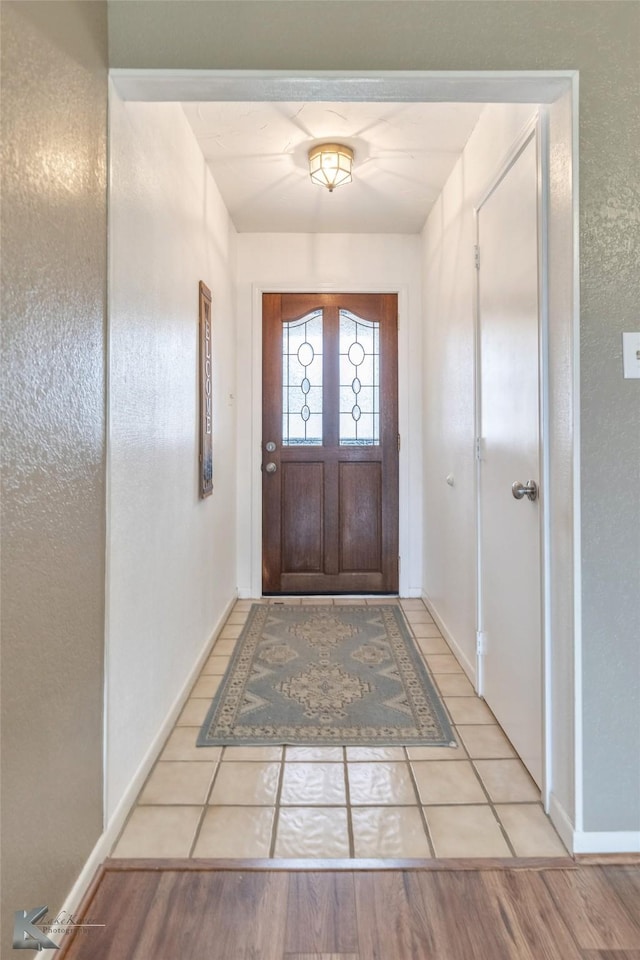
x: 332, y: 802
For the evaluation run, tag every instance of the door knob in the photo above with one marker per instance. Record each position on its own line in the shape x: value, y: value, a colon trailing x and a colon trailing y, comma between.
x: 271, y: 467
x: 528, y: 489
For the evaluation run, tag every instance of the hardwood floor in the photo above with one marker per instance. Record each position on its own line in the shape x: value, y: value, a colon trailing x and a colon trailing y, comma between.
x: 431, y: 910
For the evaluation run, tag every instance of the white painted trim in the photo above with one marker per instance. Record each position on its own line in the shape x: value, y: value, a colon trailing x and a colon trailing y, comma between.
x: 108, y: 501
x: 586, y: 841
x: 489, y: 86
x: 256, y: 440
x: 610, y: 841
x: 561, y: 821
x: 477, y: 418
x: 542, y: 161
x: 404, y: 354
x: 406, y: 509
x: 413, y: 593
x: 577, y: 493
x: 460, y: 655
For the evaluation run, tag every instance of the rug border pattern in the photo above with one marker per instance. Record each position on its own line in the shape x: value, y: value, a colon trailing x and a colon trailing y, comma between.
x: 418, y: 685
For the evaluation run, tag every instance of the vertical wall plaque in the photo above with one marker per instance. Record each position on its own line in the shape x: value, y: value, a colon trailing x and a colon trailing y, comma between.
x: 206, y: 400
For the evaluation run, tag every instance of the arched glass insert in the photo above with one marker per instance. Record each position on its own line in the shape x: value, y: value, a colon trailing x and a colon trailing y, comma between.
x: 359, y: 381
x: 302, y: 380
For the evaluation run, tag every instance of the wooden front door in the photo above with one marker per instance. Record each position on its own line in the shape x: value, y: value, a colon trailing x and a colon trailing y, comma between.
x: 330, y: 443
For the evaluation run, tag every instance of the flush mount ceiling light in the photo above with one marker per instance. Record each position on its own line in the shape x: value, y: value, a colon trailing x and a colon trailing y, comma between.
x: 330, y: 164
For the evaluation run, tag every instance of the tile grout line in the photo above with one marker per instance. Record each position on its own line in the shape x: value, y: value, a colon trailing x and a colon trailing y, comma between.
x: 492, y: 806
x: 503, y: 831
x: 423, y: 816
x: 276, y: 806
x: 205, y: 806
x: 347, y: 797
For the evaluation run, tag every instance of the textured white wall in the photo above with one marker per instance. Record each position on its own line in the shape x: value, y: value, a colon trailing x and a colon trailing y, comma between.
x: 54, y: 264
x: 327, y: 262
x: 448, y: 411
x: 171, y: 563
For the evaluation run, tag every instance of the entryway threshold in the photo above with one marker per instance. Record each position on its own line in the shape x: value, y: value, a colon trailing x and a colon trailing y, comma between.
x: 310, y: 598
x: 204, y: 865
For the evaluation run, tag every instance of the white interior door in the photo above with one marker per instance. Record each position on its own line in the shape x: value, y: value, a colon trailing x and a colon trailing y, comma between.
x: 509, y: 529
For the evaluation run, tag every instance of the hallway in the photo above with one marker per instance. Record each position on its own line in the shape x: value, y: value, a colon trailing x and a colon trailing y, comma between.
x: 476, y: 800
x: 175, y: 560
x: 115, y: 577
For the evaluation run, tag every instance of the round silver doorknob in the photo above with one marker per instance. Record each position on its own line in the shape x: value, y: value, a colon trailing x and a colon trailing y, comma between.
x: 528, y: 489
x: 271, y: 467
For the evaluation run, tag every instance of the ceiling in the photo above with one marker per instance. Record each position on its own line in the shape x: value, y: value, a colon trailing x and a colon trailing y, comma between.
x: 404, y: 152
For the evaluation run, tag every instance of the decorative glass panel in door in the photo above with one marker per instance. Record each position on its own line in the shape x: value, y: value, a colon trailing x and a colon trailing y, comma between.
x: 302, y: 380
x: 330, y: 466
x: 359, y: 380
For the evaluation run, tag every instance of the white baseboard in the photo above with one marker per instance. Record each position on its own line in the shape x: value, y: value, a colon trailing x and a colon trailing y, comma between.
x: 586, y: 841
x: 246, y: 593
x: 127, y: 800
x: 607, y: 841
x: 112, y: 830
x: 562, y: 822
x: 80, y: 887
x: 468, y: 667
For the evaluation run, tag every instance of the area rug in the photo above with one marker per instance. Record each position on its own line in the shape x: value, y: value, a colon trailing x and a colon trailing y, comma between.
x: 326, y: 675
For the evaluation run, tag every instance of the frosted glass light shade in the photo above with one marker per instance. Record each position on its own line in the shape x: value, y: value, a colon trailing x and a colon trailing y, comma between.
x: 330, y: 164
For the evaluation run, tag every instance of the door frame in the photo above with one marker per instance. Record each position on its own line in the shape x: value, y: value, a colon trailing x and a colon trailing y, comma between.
x: 404, y: 512
x: 535, y: 129
x: 563, y: 696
